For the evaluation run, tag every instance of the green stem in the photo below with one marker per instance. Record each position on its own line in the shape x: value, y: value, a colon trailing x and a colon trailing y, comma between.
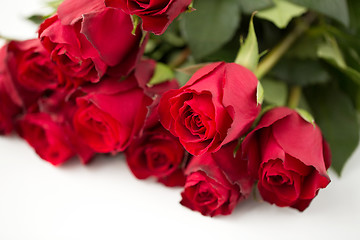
x: 270, y: 60
x: 294, y: 96
x: 180, y: 59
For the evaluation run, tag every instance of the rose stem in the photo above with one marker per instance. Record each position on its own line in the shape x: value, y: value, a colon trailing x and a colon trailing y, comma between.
x: 294, y: 96
x: 180, y: 59
x: 270, y: 60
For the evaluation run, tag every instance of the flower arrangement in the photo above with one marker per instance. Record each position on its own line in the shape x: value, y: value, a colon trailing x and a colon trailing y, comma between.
x: 169, y: 84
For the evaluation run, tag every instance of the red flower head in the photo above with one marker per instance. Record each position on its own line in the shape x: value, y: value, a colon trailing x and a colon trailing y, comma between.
x: 85, y: 46
x: 216, y: 182
x: 156, y: 15
x: 289, y: 157
x: 215, y: 107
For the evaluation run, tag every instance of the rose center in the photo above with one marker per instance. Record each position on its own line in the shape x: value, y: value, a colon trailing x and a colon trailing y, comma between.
x: 157, y: 161
x: 276, y: 180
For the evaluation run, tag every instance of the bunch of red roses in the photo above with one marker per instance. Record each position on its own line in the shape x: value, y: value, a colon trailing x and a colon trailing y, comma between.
x: 83, y: 88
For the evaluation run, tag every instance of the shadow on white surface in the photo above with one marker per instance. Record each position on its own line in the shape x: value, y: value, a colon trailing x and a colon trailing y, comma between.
x: 103, y: 200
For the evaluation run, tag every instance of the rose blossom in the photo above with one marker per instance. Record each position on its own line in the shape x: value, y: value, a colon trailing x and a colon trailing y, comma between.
x: 156, y: 15
x: 48, y: 129
x: 111, y: 114
x: 216, y: 182
x: 216, y: 106
x: 157, y: 153
x: 31, y: 66
x: 47, y: 137
x: 289, y: 157
x: 26, y: 71
x: 85, y: 46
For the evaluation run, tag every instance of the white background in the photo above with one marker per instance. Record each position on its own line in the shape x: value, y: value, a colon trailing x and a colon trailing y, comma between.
x: 104, y: 201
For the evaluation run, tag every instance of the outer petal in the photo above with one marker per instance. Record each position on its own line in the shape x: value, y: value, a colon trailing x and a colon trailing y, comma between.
x: 301, y: 140
x: 239, y: 97
x: 164, y: 110
x: 71, y: 11
x: 327, y: 154
x: 272, y: 116
x: 155, y: 24
x: 203, y: 72
x: 48, y: 138
x: 131, y: 114
x: 175, y: 179
x: 117, y: 4
x: 114, y: 42
x: 234, y: 168
x: 251, y: 150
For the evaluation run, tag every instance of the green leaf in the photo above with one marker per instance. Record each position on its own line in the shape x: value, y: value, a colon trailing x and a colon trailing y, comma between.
x: 300, y: 72
x: 211, y: 26
x: 306, y: 46
x: 248, y: 55
x: 354, y: 11
x: 162, y: 74
x: 331, y: 52
x: 275, y: 92
x: 37, y: 19
x: 259, y: 94
x: 250, y: 6
x: 336, y: 9
x: 337, y: 118
x: 305, y: 115
x: 282, y: 13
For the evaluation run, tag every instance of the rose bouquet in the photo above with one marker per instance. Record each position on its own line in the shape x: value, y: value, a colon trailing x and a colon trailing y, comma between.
x: 169, y: 84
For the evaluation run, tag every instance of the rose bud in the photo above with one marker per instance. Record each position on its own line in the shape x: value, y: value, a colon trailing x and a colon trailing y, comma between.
x: 289, y: 157
x: 159, y: 154
x: 216, y: 182
x: 85, y: 46
x: 50, y: 131
x: 216, y: 106
x: 156, y: 16
x: 111, y: 114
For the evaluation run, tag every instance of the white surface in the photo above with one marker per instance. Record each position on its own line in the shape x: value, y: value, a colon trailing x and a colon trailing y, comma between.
x: 104, y: 201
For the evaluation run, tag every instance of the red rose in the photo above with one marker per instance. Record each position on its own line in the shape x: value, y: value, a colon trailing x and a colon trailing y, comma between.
x: 85, y: 46
x: 47, y: 137
x: 31, y: 66
x: 111, y: 114
x: 289, y: 157
x: 50, y: 131
x: 25, y: 73
x: 157, y: 153
x: 156, y: 15
x: 216, y: 182
x: 10, y: 102
x: 215, y: 107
